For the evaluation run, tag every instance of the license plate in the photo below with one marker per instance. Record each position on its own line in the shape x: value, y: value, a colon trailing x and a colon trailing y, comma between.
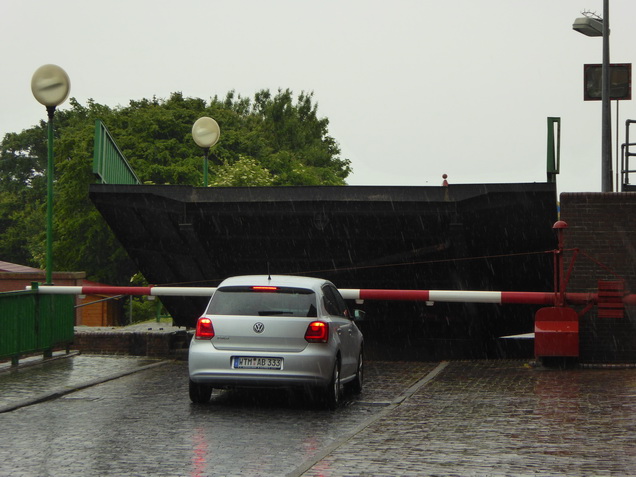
x: 258, y: 363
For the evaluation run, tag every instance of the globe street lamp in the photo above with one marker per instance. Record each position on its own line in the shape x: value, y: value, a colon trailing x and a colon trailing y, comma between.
x: 50, y: 86
x: 596, y: 27
x: 206, y: 133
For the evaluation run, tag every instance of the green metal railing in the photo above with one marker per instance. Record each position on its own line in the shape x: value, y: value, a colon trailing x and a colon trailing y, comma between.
x: 109, y: 163
x: 32, y: 323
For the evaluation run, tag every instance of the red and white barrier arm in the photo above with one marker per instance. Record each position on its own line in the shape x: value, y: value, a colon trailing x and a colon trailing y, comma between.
x: 466, y: 296
x: 137, y: 291
x: 445, y: 296
x: 451, y: 296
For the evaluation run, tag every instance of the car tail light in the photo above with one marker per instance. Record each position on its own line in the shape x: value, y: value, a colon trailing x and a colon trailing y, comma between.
x: 317, y: 332
x: 205, y: 330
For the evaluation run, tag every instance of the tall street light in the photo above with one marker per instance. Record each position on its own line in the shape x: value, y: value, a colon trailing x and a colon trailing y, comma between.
x: 206, y: 133
x: 593, y: 27
x: 50, y: 86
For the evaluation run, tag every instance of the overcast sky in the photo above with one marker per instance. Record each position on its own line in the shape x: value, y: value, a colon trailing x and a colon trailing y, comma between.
x: 413, y: 89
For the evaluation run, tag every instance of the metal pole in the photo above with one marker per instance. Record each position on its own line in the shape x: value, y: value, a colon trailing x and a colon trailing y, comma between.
x: 606, y: 136
x: 50, y: 172
x: 561, y: 279
x: 205, y: 166
x: 618, y: 168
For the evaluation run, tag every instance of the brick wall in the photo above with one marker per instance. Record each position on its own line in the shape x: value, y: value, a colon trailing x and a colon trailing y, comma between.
x: 603, y: 227
x: 128, y: 343
x: 173, y: 344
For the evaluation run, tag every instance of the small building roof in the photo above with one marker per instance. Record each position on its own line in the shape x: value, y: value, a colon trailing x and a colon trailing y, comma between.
x: 16, y: 268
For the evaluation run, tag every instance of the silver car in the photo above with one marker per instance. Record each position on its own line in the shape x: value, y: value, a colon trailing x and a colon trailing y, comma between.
x: 276, y: 331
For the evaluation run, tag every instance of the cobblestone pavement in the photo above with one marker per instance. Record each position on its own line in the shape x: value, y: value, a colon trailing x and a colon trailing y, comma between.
x: 143, y: 424
x: 477, y: 418
x: 501, y: 418
x: 50, y: 378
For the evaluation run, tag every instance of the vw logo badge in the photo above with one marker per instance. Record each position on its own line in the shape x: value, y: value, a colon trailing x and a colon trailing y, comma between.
x: 259, y: 327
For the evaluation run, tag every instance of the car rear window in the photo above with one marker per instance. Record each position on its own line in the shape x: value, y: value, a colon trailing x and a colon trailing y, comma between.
x: 263, y: 301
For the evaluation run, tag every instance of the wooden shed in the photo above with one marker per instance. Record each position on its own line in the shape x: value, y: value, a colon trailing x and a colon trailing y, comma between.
x: 99, y: 310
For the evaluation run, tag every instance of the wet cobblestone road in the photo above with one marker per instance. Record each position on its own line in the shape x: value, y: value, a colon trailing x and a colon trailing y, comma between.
x: 33, y: 381
x: 501, y: 419
x: 459, y: 418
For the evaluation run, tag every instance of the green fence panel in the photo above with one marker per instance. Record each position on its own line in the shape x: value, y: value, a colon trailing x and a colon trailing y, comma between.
x: 31, y: 323
x: 61, y: 312
x: 109, y: 163
x: 17, y: 323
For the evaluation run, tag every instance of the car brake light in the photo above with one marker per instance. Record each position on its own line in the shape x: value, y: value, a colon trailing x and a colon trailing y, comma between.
x: 205, y: 330
x: 317, y: 332
x: 264, y: 288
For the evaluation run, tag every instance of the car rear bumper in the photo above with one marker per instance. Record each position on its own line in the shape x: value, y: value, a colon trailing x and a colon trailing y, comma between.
x: 218, y: 380
x: 311, y: 367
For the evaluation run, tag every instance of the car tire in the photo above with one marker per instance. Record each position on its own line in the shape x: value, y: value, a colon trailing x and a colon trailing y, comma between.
x: 333, y: 391
x: 200, y: 393
x: 356, y: 384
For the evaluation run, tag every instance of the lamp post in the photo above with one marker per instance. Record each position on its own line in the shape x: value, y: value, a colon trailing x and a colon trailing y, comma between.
x: 593, y: 27
x: 206, y: 133
x: 50, y: 86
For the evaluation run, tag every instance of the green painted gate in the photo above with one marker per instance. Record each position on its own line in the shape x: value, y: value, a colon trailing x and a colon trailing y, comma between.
x: 32, y: 323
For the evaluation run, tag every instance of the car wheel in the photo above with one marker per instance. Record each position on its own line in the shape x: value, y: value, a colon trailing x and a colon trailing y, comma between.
x: 333, y: 391
x: 356, y: 384
x: 200, y: 393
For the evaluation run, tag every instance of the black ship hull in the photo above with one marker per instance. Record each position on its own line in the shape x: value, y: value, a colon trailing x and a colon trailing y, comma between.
x: 470, y: 237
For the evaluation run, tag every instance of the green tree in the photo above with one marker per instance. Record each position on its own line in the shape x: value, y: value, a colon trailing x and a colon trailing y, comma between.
x: 271, y: 139
x: 245, y: 172
x: 22, y: 195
